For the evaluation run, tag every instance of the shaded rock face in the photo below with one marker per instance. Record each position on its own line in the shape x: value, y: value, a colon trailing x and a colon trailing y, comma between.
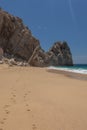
x: 61, y: 54
x: 16, y: 40
x: 1, y: 53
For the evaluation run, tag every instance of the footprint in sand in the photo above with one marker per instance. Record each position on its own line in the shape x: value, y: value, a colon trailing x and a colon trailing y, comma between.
x: 14, y: 90
x: 1, y: 129
x: 1, y: 122
x: 25, y: 96
x: 6, y: 106
x: 13, y: 97
x: 27, y: 105
x: 7, y: 112
x: 34, y: 127
x: 13, y: 100
x: 29, y: 91
x: 28, y: 109
x: 4, y: 118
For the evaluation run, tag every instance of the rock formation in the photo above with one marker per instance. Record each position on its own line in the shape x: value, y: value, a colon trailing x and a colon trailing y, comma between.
x: 17, y: 42
x: 59, y: 54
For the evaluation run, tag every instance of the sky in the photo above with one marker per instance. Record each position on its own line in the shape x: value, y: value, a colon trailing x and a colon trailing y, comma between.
x: 54, y: 20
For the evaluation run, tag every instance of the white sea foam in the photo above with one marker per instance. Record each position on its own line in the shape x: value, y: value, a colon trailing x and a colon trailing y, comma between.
x: 75, y: 70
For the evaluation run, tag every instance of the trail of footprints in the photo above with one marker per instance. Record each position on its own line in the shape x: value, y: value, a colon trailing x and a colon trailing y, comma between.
x: 6, y: 115
x: 13, y: 101
x: 6, y: 109
x: 34, y: 127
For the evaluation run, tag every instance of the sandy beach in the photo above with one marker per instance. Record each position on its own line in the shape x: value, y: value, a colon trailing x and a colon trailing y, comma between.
x: 34, y: 99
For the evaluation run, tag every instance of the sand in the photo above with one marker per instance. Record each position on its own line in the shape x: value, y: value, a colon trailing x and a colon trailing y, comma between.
x: 35, y: 99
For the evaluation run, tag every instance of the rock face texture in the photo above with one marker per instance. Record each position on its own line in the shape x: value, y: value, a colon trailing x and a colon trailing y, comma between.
x: 16, y: 40
x: 61, y: 54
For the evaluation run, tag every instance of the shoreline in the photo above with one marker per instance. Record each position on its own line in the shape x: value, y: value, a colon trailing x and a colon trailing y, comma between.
x: 69, y: 74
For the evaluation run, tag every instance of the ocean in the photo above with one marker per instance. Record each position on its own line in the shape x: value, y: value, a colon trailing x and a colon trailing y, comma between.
x: 77, y: 68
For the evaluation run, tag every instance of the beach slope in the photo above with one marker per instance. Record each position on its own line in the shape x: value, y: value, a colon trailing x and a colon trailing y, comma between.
x: 35, y: 99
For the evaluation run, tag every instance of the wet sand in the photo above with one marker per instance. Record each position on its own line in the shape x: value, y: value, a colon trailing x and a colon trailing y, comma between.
x: 34, y: 99
x: 69, y: 74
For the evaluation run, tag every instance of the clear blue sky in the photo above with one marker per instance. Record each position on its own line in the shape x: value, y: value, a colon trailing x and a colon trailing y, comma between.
x: 54, y: 20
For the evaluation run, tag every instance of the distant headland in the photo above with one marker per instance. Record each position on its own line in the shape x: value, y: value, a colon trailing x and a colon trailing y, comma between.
x: 18, y: 46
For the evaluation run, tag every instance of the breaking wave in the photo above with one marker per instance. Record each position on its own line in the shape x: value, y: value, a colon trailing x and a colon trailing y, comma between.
x: 81, y: 69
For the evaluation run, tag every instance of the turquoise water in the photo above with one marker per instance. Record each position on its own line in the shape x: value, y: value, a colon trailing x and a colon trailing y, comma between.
x: 78, y: 68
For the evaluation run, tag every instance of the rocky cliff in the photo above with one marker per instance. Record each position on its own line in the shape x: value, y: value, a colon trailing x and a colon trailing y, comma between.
x: 16, y: 41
